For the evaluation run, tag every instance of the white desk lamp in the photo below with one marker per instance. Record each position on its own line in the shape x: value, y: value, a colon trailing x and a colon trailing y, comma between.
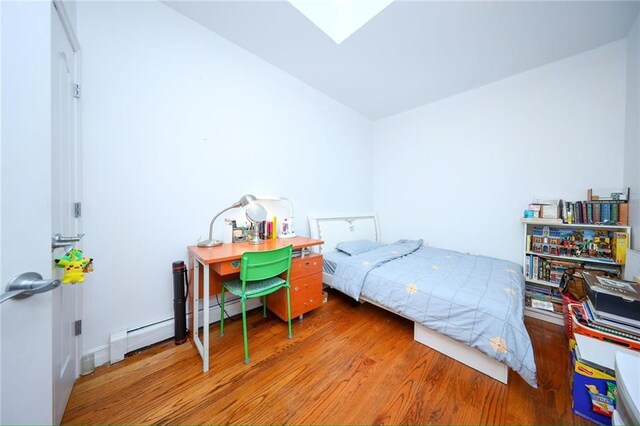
x: 289, y: 232
x: 211, y: 242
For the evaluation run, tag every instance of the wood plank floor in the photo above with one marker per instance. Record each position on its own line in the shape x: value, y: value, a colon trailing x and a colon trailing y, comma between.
x: 347, y: 364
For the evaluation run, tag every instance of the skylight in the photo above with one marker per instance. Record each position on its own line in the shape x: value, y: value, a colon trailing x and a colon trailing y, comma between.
x: 339, y: 19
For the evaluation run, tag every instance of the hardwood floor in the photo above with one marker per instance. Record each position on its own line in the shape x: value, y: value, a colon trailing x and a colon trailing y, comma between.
x: 347, y: 364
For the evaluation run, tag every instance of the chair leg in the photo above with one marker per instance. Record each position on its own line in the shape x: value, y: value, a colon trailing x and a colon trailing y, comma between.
x: 222, y: 312
x: 244, y: 330
x: 264, y: 306
x: 289, y: 312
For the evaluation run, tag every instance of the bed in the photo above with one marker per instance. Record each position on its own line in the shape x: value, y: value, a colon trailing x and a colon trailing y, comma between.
x: 467, y: 307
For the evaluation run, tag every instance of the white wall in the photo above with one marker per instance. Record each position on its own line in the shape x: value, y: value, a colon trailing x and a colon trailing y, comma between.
x: 178, y: 124
x: 460, y: 172
x: 632, y: 131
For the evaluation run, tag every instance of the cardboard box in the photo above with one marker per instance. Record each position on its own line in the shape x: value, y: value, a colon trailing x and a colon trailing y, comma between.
x: 545, y: 209
x: 551, y: 211
x: 596, y: 390
x: 593, y: 392
x: 620, y: 245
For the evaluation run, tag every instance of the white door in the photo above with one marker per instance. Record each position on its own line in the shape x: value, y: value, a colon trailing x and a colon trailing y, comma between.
x: 65, y: 192
x: 38, y: 348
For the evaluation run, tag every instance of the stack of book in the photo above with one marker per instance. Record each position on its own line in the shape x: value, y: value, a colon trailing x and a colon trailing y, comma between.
x: 538, y: 269
x: 599, y: 212
x: 550, y: 270
x: 610, y: 208
x: 542, y: 297
x: 612, y: 306
x: 608, y: 325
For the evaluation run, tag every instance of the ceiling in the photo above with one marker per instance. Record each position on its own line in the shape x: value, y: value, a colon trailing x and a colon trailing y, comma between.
x: 416, y: 52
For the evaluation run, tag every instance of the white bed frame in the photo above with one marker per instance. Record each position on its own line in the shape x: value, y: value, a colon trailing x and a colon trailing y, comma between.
x: 333, y: 229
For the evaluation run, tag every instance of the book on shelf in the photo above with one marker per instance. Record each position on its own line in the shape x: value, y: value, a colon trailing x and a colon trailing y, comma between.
x: 605, y: 213
x: 568, y: 264
x: 602, y: 207
x: 545, y: 305
x: 548, y: 293
x: 551, y: 270
x: 623, y: 214
x: 543, y: 296
x: 614, y: 270
x: 596, y: 212
x: 613, y: 204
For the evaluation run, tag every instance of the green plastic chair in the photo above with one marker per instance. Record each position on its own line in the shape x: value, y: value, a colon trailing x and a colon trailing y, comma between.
x: 259, y: 277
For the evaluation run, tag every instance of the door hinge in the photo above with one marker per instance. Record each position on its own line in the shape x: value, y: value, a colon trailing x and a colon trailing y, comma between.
x: 77, y: 210
x: 76, y: 90
x: 78, y: 327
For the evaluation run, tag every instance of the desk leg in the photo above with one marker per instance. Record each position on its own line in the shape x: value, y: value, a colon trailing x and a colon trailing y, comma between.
x: 205, y: 326
x: 203, y: 349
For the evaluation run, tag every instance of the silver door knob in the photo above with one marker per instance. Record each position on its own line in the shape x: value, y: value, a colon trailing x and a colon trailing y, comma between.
x: 58, y: 241
x: 27, y: 284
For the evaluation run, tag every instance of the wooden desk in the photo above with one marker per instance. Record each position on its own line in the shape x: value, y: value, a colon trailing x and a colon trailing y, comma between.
x: 211, y: 266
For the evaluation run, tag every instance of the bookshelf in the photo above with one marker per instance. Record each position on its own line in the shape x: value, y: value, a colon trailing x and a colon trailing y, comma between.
x: 550, y: 247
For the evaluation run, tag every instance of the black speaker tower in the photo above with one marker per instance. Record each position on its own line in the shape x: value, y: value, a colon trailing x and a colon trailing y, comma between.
x: 180, y: 284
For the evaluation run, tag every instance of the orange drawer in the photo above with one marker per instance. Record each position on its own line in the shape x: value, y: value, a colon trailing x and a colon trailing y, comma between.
x: 310, y: 294
x: 303, y: 266
x: 306, y: 295
x: 228, y: 267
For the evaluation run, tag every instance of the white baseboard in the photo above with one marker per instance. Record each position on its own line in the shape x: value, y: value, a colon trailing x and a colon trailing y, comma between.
x: 117, y: 346
x: 153, y: 333
x: 101, y: 354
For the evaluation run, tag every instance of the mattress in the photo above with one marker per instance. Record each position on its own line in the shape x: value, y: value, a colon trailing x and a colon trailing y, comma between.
x: 331, y: 259
x: 476, y: 300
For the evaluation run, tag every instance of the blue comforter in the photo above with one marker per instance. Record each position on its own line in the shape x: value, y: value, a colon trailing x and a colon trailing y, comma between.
x: 475, y: 300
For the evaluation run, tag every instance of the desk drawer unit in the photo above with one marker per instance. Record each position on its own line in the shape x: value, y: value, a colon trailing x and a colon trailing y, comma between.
x: 306, y: 288
x: 303, y: 266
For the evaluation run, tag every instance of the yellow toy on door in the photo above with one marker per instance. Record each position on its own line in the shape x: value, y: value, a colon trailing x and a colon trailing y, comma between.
x: 75, y: 265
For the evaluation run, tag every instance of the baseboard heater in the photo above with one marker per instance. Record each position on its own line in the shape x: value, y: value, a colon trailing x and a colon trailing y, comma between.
x: 126, y: 341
